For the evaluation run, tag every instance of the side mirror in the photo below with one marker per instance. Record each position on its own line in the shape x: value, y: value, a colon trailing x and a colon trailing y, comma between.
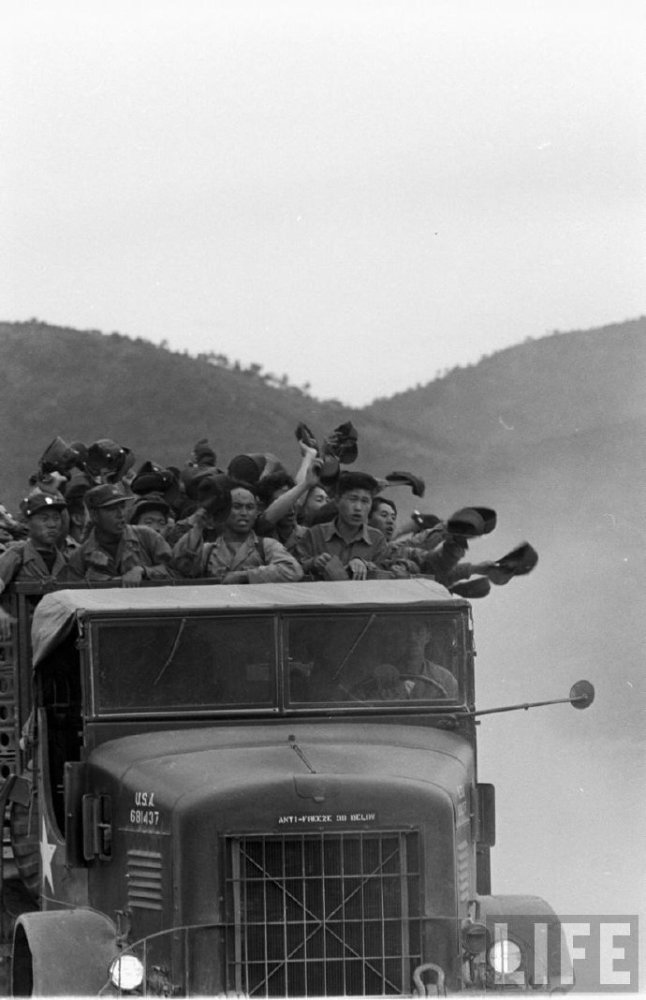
x: 581, y: 694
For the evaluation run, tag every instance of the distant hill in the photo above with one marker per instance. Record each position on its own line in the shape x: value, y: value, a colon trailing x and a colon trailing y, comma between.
x: 557, y: 387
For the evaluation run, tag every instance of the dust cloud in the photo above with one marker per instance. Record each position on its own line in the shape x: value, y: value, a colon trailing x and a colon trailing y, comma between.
x: 569, y: 784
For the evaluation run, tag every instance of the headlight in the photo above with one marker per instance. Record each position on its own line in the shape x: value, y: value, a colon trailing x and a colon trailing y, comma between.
x: 127, y: 972
x: 505, y: 957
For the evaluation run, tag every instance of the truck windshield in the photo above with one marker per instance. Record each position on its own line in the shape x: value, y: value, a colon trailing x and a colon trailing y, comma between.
x: 204, y: 663
x: 185, y: 663
x: 373, y: 658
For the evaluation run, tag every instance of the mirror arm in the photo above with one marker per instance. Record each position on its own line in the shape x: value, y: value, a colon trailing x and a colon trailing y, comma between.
x: 581, y: 696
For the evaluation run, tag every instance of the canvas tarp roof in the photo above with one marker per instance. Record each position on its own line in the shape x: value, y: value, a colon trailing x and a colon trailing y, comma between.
x: 57, y: 612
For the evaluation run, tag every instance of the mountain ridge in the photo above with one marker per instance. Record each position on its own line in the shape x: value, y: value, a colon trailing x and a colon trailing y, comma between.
x: 503, y: 394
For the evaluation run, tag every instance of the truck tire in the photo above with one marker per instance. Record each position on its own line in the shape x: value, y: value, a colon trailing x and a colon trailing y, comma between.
x: 25, y: 844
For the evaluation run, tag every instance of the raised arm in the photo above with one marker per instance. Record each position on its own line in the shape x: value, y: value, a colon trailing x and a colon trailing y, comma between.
x: 282, y: 505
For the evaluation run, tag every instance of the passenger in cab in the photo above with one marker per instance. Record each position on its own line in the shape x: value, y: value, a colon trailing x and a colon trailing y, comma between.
x: 238, y: 555
x: 114, y: 549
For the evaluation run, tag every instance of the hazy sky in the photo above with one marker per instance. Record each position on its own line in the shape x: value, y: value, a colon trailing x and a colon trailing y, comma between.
x: 358, y: 194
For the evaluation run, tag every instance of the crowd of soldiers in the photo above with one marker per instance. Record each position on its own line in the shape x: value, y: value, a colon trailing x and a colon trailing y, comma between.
x: 90, y: 515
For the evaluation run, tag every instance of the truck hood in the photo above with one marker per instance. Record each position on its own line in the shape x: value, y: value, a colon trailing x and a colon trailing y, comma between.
x: 313, y: 761
x: 189, y: 803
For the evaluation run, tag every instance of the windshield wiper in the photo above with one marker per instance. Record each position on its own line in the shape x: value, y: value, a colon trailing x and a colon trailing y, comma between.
x: 171, y: 655
x: 362, y: 633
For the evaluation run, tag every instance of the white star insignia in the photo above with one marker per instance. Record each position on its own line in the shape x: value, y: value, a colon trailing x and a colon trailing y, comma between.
x: 47, y: 852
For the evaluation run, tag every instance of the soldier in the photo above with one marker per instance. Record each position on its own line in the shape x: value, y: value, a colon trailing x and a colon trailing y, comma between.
x: 280, y: 493
x: 151, y: 511
x: 346, y: 542
x: 38, y: 556
x: 312, y: 504
x: 433, y: 679
x: 75, y: 492
x: 10, y: 529
x: 238, y: 555
x: 383, y: 515
x: 115, y: 550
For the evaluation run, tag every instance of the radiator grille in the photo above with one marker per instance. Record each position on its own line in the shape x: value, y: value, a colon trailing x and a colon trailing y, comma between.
x: 331, y: 914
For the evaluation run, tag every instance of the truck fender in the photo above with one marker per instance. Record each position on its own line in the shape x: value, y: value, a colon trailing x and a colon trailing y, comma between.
x: 522, y: 914
x: 494, y: 906
x: 62, y: 952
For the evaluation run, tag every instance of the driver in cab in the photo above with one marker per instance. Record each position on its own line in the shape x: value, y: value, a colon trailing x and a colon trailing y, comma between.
x: 414, y: 676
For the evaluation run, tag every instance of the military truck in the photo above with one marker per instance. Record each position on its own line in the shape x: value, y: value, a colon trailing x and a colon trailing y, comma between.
x: 252, y: 790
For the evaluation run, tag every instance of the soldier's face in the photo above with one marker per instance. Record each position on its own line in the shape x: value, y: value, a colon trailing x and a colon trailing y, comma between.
x: 153, y: 519
x: 354, y: 507
x: 316, y: 498
x: 418, y: 634
x: 242, y: 516
x: 384, y: 517
x: 45, y: 528
x: 111, y: 521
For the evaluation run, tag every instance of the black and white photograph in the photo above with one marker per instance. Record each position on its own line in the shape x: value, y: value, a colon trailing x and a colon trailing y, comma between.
x: 322, y: 498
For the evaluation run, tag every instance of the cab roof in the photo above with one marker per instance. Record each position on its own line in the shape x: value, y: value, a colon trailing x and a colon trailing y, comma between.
x: 57, y: 612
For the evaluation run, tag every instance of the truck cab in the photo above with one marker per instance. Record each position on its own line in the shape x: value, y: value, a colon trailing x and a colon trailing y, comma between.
x: 263, y: 790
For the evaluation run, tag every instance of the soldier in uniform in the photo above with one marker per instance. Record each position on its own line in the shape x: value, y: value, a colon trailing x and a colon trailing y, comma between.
x: 347, y: 541
x: 238, y: 555
x: 114, y: 549
x: 38, y: 557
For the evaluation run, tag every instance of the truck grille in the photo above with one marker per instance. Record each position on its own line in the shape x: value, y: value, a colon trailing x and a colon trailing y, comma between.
x: 330, y: 914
